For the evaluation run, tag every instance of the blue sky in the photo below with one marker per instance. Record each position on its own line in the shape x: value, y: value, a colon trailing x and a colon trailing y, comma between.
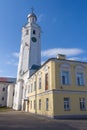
x: 64, y: 30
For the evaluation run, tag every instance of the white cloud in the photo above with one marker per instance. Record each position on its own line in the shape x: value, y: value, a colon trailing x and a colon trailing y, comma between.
x: 75, y: 58
x: 15, y: 54
x: 78, y: 58
x: 55, y: 51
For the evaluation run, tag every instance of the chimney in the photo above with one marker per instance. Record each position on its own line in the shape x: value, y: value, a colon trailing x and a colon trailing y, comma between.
x: 61, y: 57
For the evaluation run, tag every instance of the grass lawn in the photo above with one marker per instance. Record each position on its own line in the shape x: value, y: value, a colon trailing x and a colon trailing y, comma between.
x: 3, y: 109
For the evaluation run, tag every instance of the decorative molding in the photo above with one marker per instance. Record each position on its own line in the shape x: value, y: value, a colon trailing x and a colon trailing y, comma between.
x: 46, y: 68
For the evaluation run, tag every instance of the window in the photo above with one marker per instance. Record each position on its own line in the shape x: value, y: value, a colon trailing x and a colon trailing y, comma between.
x: 2, y: 98
x: 30, y: 104
x: 34, y: 32
x: 65, y: 78
x: 66, y: 104
x: 82, y: 104
x: 27, y: 32
x: 47, y: 104
x: 31, y: 87
x: 34, y: 104
x: 40, y: 83
x: 46, y: 81
x: 80, y: 79
x: 3, y: 89
x: 34, y: 85
x: 39, y: 104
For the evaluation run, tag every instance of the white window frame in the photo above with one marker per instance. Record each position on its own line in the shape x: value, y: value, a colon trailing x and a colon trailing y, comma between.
x: 80, y: 77
x: 31, y: 87
x: 67, y: 104
x: 39, y: 83
x: 82, y: 104
x: 34, y: 85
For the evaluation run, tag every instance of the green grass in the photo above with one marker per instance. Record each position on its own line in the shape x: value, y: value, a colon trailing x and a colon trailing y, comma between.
x: 3, y: 109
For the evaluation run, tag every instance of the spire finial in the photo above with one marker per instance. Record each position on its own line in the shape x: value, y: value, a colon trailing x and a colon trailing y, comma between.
x: 32, y: 10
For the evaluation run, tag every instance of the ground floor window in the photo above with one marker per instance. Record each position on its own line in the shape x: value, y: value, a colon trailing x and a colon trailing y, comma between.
x: 82, y: 104
x: 47, y: 104
x: 34, y: 104
x: 66, y: 104
x: 2, y: 98
x: 30, y: 104
x: 39, y: 104
x: 3, y: 89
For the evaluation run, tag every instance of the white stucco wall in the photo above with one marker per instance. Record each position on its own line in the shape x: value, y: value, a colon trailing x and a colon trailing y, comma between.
x: 10, y: 95
x: 3, y: 93
x: 17, y: 101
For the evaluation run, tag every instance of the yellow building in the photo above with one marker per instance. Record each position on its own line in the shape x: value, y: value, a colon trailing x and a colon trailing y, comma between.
x: 59, y: 89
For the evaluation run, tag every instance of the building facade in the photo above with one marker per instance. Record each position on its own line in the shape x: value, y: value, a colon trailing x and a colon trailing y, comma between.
x: 4, y: 83
x: 58, y: 89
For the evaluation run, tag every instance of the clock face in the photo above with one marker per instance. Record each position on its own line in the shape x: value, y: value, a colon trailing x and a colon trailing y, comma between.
x: 34, y: 39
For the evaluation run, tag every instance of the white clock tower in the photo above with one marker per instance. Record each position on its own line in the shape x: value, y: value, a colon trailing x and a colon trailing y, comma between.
x: 29, y: 58
x: 30, y: 51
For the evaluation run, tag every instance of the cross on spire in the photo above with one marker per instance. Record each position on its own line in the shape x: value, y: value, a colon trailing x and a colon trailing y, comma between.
x: 32, y: 10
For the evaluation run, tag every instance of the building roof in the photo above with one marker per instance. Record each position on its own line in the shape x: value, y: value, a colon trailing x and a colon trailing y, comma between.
x: 7, y: 80
x: 58, y: 60
x: 31, y: 15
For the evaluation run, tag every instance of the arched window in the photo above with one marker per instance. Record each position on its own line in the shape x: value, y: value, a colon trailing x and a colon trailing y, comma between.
x: 27, y: 32
x: 80, y: 78
x: 65, y: 74
x: 3, y: 89
x: 34, y: 32
x: 2, y: 98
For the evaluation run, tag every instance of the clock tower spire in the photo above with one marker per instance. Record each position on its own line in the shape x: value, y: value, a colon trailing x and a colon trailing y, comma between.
x: 29, y: 58
x: 32, y: 17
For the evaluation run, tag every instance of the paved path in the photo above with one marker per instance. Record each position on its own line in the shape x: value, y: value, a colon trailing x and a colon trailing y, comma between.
x: 24, y: 121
